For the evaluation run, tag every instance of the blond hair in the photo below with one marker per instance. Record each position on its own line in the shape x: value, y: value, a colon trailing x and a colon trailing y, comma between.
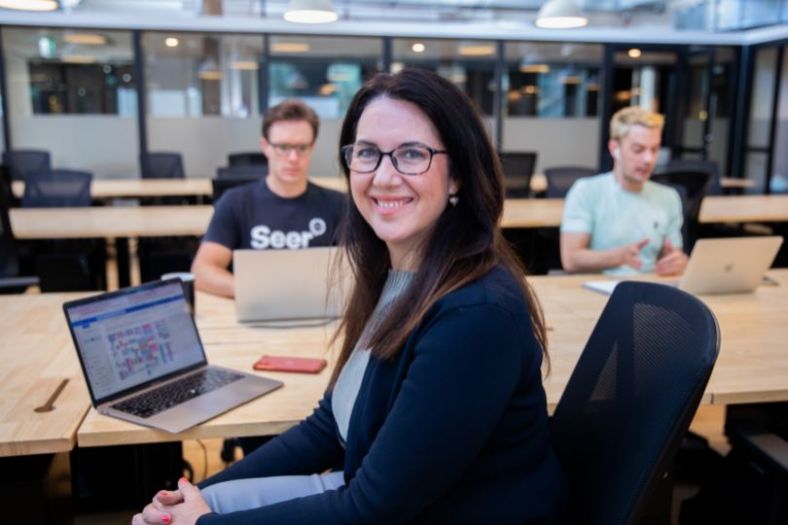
x: 625, y: 118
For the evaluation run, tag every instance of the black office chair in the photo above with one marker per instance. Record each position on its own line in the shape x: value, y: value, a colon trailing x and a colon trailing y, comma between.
x: 57, y: 188
x: 222, y: 184
x: 518, y: 168
x: 10, y: 280
x: 161, y: 166
x: 20, y: 162
x: 714, y: 186
x: 248, y: 171
x: 692, y: 187
x: 561, y: 178
x: 631, y: 398
x: 65, y: 265
x: 250, y: 158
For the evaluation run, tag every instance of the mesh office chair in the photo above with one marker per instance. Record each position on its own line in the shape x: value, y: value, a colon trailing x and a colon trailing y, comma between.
x: 714, y: 186
x: 251, y: 158
x: 161, y: 166
x: 10, y: 280
x: 561, y: 178
x: 518, y: 168
x: 65, y: 265
x: 20, y: 162
x: 631, y: 398
x: 692, y: 187
x: 57, y: 188
x: 221, y: 185
x: 250, y: 171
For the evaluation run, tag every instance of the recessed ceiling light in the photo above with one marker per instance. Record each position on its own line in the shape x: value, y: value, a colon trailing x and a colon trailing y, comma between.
x: 171, y: 41
x: 418, y: 47
x: 244, y: 65
x: 635, y: 53
x: 534, y: 68
x: 78, y: 59
x: 86, y: 39
x: 29, y: 5
x: 290, y: 47
x: 476, y: 50
x: 210, y: 74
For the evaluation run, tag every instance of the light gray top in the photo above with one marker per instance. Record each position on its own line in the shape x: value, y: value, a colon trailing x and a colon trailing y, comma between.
x: 349, y: 381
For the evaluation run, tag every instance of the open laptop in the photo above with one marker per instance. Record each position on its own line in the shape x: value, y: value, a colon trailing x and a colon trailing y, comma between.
x: 288, y: 285
x: 717, y: 266
x: 144, y: 362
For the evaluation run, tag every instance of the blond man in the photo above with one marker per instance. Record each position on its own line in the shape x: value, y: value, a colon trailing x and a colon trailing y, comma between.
x: 620, y: 222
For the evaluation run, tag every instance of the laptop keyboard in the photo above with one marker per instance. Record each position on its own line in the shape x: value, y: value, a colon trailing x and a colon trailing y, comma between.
x: 167, y: 396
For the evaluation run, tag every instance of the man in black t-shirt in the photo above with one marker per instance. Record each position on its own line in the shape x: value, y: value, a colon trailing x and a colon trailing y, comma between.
x: 283, y: 211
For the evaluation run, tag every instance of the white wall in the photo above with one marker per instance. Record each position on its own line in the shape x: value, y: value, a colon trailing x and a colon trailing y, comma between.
x: 559, y: 142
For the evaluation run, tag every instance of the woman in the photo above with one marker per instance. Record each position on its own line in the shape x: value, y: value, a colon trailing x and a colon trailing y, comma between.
x: 436, y: 411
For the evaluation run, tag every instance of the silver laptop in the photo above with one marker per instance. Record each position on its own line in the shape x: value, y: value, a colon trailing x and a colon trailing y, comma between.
x: 144, y: 362
x: 288, y: 285
x: 729, y: 265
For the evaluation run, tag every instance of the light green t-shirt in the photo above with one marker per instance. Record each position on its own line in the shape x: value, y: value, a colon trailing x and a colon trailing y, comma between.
x: 615, y: 217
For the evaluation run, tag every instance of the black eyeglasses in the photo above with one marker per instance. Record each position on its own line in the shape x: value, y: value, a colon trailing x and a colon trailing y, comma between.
x: 408, y: 159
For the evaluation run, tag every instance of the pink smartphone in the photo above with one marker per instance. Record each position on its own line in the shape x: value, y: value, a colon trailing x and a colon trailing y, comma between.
x: 305, y: 365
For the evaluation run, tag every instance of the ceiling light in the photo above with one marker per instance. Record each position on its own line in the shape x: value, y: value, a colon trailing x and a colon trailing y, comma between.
x: 310, y: 12
x: 634, y: 53
x: 244, y: 65
x: 171, y: 41
x: 209, y: 74
x: 476, y: 50
x: 290, y: 47
x: 78, y: 59
x: 29, y: 5
x: 86, y: 39
x: 560, y: 14
x: 534, y: 68
x: 418, y: 47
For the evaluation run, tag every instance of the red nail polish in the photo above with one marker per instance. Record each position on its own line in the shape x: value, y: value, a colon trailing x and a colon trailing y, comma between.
x: 166, y: 518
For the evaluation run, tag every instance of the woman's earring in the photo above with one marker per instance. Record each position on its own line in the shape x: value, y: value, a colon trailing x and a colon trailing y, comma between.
x: 453, y: 199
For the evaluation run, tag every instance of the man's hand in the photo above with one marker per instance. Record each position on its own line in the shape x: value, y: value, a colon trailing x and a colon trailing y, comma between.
x: 672, y: 260
x: 180, y: 507
x: 630, y: 254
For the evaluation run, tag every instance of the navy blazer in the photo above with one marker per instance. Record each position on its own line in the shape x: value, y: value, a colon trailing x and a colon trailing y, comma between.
x: 454, y: 429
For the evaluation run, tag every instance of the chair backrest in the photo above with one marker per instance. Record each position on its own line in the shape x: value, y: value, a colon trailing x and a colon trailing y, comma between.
x: 561, y: 178
x: 714, y: 186
x: 161, y: 165
x: 222, y: 184
x: 57, y: 188
x: 248, y: 171
x: 9, y: 262
x: 254, y: 158
x: 692, y: 187
x: 518, y: 168
x: 631, y: 398
x: 20, y: 162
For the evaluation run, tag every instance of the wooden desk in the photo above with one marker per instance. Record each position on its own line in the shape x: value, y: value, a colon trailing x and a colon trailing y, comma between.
x: 533, y: 213
x: 228, y: 343
x: 37, y: 353
x: 753, y: 364
x: 103, y: 189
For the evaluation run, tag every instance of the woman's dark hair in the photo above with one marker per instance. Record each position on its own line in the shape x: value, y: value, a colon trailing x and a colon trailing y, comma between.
x: 466, y: 241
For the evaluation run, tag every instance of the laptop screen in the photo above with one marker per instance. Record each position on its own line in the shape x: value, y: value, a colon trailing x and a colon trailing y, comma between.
x: 134, y: 336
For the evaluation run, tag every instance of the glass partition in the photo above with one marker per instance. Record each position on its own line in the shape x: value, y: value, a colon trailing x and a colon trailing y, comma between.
x: 72, y: 92
x: 202, y: 96
x: 324, y: 72
x: 552, y: 90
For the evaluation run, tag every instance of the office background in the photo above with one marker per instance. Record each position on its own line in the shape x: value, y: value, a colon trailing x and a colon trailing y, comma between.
x: 100, y: 81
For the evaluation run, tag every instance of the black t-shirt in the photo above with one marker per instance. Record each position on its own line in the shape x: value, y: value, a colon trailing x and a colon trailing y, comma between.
x: 252, y: 216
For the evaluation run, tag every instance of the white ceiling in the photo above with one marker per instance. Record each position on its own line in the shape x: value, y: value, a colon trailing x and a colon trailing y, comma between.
x: 644, y: 21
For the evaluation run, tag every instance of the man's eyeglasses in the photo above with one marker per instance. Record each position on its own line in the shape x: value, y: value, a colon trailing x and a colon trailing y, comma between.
x: 408, y: 159
x: 284, y: 149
